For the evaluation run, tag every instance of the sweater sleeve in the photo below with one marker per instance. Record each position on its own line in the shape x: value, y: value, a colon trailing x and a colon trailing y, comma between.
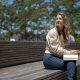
x: 54, y: 45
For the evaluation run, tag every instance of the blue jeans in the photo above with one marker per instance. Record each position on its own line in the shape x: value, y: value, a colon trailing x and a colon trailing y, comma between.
x: 57, y: 63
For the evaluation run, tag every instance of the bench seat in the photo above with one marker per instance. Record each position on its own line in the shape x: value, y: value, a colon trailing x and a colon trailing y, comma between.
x: 31, y: 71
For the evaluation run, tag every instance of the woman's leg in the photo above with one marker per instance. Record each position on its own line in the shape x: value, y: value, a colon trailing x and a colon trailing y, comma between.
x: 56, y: 63
x: 52, y: 62
x: 71, y: 70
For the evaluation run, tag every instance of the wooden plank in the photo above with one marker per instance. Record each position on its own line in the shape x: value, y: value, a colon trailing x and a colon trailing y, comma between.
x: 33, y: 71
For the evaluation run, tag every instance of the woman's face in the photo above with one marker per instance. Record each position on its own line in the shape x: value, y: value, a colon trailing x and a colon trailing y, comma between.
x: 59, y: 22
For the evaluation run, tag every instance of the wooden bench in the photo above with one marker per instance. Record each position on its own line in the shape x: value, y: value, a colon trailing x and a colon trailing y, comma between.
x: 31, y: 68
x: 33, y: 71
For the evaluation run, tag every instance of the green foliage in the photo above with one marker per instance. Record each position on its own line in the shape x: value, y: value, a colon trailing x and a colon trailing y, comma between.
x: 33, y: 13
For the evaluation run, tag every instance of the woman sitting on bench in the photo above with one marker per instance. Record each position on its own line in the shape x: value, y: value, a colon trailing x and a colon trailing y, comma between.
x: 56, y: 39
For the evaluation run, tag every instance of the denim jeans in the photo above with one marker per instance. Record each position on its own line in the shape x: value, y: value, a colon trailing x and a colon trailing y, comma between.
x: 57, y: 63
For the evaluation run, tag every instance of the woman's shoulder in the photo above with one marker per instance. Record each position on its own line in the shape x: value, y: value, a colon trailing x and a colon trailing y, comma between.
x: 52, y: 31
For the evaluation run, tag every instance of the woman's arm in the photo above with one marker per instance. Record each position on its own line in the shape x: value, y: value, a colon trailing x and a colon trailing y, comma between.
x: 75, y: 52
x: 54, y: 45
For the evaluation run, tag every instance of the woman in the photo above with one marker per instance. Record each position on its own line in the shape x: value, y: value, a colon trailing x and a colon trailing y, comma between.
x: 56, y: 40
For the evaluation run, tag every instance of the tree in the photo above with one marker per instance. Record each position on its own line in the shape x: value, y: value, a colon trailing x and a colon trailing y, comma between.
x: 33, y: 18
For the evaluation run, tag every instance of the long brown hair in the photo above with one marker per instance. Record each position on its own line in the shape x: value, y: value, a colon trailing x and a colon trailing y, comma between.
x: 66, y: 27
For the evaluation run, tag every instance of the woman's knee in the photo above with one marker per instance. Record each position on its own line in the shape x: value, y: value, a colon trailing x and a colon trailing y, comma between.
x: 53, y: 62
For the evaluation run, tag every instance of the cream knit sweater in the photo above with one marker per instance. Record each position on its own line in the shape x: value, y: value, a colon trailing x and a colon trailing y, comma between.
x: 55, y: 44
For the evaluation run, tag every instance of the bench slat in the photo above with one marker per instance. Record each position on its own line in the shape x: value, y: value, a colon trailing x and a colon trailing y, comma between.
x: 32, y: 71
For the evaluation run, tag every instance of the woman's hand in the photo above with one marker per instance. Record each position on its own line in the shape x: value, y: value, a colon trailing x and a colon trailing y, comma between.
x: 78, y: 51
x: 75, y: 52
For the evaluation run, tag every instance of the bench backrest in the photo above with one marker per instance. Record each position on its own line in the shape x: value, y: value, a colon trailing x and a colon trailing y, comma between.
x: 13, y: 53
